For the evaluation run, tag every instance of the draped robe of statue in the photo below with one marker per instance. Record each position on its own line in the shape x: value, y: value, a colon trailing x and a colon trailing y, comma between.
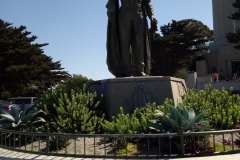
x: 114, y: 55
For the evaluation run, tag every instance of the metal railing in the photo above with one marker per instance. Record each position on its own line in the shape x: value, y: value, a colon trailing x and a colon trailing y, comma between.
x: 107, y: 145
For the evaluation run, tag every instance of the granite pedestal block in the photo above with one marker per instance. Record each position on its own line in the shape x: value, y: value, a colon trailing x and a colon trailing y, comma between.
x: 136, y: 92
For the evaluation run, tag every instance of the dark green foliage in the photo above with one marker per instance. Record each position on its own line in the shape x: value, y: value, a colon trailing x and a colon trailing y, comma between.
x: 221, y: 107
x: 178, y: 43
x: 120, y: 143
x: 71, y: 108
x: 24, y: 68
x: 234, y: 37
x: 131, y: 124
x: 76, y: 82
x: 58, y: 142
x: 123, y: 124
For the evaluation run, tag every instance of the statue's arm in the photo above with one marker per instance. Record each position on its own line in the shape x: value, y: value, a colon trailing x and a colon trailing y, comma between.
x: 111, y: 8
x: 149, y: 10
x: 111, y: 5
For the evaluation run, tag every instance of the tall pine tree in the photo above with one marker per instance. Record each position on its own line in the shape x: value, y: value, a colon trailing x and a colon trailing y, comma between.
x: 24, y: 67
x: 234, y: 37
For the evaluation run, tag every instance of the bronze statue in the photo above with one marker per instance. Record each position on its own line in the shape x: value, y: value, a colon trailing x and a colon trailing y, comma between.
x: 128, y: 50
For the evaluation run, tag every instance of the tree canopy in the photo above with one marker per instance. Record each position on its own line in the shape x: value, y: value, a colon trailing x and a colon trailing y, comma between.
x: 234, y: 37
x: 178, y: 43
x: 24, y: 68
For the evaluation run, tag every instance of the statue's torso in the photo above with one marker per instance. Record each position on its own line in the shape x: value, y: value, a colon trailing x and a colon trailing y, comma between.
x: 131, y: 2
x: 131, y: 9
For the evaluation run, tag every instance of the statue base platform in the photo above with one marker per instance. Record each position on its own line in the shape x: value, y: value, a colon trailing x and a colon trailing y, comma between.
x: 136, y: 92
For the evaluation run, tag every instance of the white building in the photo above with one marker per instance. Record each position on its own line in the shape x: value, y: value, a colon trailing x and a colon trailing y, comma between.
x: 223, y: 58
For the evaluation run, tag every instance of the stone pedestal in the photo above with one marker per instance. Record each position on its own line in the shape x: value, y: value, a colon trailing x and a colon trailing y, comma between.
x: 136, y: 92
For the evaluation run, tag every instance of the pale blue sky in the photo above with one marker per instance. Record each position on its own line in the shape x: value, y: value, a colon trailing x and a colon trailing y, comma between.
x: 76, y: 29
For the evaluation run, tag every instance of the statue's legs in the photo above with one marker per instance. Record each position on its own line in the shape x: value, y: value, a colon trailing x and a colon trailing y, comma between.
x: 125, y: 27
x: 132, y: 32
x: 138, y: 48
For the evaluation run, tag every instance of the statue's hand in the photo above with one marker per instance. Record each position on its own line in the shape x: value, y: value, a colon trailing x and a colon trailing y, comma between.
x: 153, y: 24
x: 154, y: 20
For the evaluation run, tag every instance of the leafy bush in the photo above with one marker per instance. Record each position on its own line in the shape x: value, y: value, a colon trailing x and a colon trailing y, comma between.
x: 71, y: 108
x: 126, y: 149
x: 76, y: 82
x: 221, y: 107
x: 131, y: 124
x: 123, y: 123
x: 58, y: 142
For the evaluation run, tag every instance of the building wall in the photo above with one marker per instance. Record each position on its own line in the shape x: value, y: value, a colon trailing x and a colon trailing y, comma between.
x: 221, y: 23
x: 222, y: 54
x: 222, y: 60
x: 191, y: 80
x: 226, y: 55
x: 211, y: 61
x: 201, y: 68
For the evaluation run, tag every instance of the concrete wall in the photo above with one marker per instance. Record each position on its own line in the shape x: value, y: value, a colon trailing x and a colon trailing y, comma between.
x: 212, y: 63
x: 191, y: 80
x: 203, y: 80
x: 222, y: 60
x: 201, y: 68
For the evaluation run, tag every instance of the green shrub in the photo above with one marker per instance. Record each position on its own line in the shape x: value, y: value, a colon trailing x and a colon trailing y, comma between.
x: 131, y: 124
x: 76, y: 82
x: 126, y: 149
x: 149, y: 111
x: 123, y: 123
x: 71, y: 108
x: 58, y: 142
x: 221, y: 107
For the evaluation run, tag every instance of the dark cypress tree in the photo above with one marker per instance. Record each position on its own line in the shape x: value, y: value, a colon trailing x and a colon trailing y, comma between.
x: 178, y: 43
x: 23, y: 64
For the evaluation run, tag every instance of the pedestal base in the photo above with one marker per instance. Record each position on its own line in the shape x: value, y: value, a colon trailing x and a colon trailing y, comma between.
x: 136, y: 92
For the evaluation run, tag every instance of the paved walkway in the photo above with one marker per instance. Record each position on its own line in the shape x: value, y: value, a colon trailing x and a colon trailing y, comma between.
x: 12, y: 155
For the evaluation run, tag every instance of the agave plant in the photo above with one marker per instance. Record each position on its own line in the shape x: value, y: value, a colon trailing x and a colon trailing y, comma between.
x: 21, y: 120
x: 178, y: 118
